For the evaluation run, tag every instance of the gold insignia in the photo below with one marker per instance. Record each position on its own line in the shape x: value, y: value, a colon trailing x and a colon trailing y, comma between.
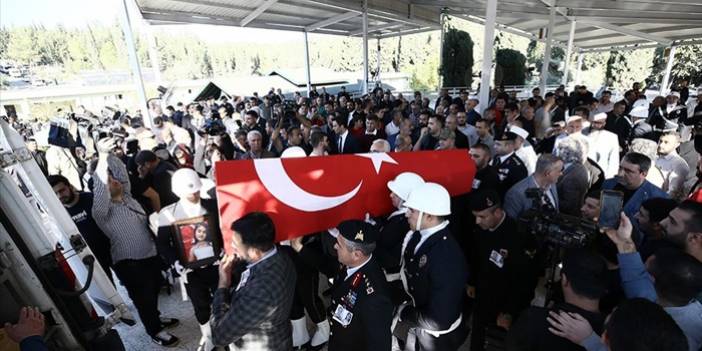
x: 489, y: 202
x: 359, y: 235
x: 422, y: 261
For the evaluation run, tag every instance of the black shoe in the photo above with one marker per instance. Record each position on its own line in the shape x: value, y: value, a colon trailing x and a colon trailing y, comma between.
x: 169, y: 322
x: 170, y: 341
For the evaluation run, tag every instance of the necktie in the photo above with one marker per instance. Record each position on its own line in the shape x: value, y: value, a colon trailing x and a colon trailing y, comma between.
x: 338, y: 143
x: 412, y: 244
x: 546, y: 203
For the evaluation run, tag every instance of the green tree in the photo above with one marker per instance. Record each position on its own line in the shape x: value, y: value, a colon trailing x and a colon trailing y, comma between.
x: 457, y: 59
x: 510, y: 67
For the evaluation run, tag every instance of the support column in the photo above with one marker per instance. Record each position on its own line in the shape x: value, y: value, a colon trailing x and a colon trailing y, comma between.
x: 489, y: 40
x: 569, y: 50
x: 377, y: 66
x: 547, y: 51
x: 153, y: 53
x: 307, y: 65
x: 134, y: 62
x: 668, y: 67
x: 577, y: 68
x: 442, y: 18
x: 364, y: 86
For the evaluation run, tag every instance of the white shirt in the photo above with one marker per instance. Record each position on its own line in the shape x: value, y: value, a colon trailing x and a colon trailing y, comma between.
x: 351, y: 271
x: 391, y: 128
x: 470, y: 132
x: 675, y: 170
x: 604, y: 107
x: 604, y: 149
x: 503, y: 158
x: 343, y: 141
x: 425, y: 234
x: 527, y: 154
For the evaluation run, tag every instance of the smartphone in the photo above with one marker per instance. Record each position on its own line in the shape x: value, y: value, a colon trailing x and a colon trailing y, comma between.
x: 611, y: 202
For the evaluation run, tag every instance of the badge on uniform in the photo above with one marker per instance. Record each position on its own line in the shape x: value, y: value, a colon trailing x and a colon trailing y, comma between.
x: 476, y: 183
x: 422, y: 261
x: 497, y: 259
x: 342, y: 315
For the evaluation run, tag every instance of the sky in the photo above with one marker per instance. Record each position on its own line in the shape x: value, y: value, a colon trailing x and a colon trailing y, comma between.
x: 78, y: 13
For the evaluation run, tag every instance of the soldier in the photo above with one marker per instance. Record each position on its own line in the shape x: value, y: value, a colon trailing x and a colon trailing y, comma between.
x: 361, y: 309
x: 433, y: 273
x: 501, y: 268
x: 195, y: 266
x: 393, y: 231
x: 510, y: 168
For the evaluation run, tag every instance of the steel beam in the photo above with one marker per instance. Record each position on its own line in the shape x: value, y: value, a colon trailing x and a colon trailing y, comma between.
x: 257, y: 12
x: 327, y: 22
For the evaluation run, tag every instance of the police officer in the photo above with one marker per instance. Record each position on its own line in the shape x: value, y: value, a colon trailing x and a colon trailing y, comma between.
x: 393, y: 230
x: 433, y: 273
x: 360, y: 313
x: 195, y: 265
x: 500, y: 270
x: 510, y: 168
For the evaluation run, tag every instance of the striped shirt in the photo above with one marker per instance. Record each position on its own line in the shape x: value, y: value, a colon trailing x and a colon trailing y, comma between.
x: 125, y: 222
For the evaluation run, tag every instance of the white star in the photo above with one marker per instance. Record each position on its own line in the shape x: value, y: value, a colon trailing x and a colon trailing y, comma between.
x: 378, y: 159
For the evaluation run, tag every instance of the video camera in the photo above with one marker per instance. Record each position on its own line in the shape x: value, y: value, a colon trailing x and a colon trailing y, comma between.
x: 556, y: 229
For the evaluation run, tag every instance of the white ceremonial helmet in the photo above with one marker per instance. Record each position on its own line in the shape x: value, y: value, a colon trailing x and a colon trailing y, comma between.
x: 184, y: 182
x: 430, y: 198
x: 403, y: 184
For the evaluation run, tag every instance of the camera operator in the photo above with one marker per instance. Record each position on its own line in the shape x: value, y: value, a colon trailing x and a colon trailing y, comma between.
x: 583, y: 283
x: 548, y: 169
x: 501, y: 268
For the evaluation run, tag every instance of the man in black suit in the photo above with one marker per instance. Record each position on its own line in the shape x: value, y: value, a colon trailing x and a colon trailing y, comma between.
x: 255, y: 314
x: 434, y: 274
x: 345, y: 142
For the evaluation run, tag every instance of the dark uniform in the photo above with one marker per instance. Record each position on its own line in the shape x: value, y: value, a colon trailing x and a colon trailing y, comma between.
x: 435, y: 279
x: 360, y: 313
x: 500, y: 271
x: 389, y: 251
x: 511, y: 170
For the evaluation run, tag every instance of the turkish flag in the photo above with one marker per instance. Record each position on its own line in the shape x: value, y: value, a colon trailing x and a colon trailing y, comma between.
x: 310, y: 194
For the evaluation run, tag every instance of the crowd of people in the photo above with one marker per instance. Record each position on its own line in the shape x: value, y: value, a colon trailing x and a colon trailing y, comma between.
x: 436, y: 271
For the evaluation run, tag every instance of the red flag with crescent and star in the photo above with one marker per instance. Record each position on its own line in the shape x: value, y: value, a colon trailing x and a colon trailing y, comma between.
x: 311, y: 194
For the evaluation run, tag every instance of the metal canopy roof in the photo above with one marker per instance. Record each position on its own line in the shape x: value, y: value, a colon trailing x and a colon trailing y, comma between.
x: 601, y: 24
x: 386, y: 17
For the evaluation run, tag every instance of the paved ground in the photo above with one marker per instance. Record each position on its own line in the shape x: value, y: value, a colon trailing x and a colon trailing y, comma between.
x: 135, y: 338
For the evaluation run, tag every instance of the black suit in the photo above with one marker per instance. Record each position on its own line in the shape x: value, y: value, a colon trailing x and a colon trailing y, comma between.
x: 510, y: 172
x: 350, y: 145
x: 369, y: 328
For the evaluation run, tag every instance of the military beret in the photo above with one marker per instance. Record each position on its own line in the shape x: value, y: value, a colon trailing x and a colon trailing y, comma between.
x: 358, y: 231
x: 484, y: 199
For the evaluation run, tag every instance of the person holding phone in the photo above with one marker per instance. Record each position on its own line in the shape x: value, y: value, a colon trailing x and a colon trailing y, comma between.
x: 631, y: 181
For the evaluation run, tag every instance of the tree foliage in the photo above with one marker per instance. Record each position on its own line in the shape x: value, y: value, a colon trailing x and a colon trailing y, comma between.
x: 457, y: 59
x: 510, y: 67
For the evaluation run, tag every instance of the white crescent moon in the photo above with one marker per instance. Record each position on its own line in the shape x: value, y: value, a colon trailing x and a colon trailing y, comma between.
x: 274, y: 178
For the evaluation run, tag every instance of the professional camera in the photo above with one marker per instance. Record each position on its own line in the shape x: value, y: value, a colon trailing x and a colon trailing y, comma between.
x: 556, y: 229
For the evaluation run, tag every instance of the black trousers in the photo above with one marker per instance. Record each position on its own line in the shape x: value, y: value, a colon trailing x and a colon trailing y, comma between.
x: 202, y: 283
x: 482, y: 320
x: 307, y: 294
x: 142, y: 279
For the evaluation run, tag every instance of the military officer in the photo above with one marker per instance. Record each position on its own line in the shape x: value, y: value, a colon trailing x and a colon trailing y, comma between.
x: 360, y: 313
x: 196, y: 264
x: 500, y: 270
x: 510, y: 168
x: 433, y: 272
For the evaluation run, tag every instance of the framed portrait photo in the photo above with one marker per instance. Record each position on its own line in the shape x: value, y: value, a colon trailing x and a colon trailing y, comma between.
x: 197, y: 243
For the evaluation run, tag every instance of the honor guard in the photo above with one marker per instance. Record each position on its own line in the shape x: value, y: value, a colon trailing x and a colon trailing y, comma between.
x: 500, y: 270
x: 360, y: 313
x: 393, y: 231
x: 510, y: 168
x: 433, y: 272
x: 194, y: 256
